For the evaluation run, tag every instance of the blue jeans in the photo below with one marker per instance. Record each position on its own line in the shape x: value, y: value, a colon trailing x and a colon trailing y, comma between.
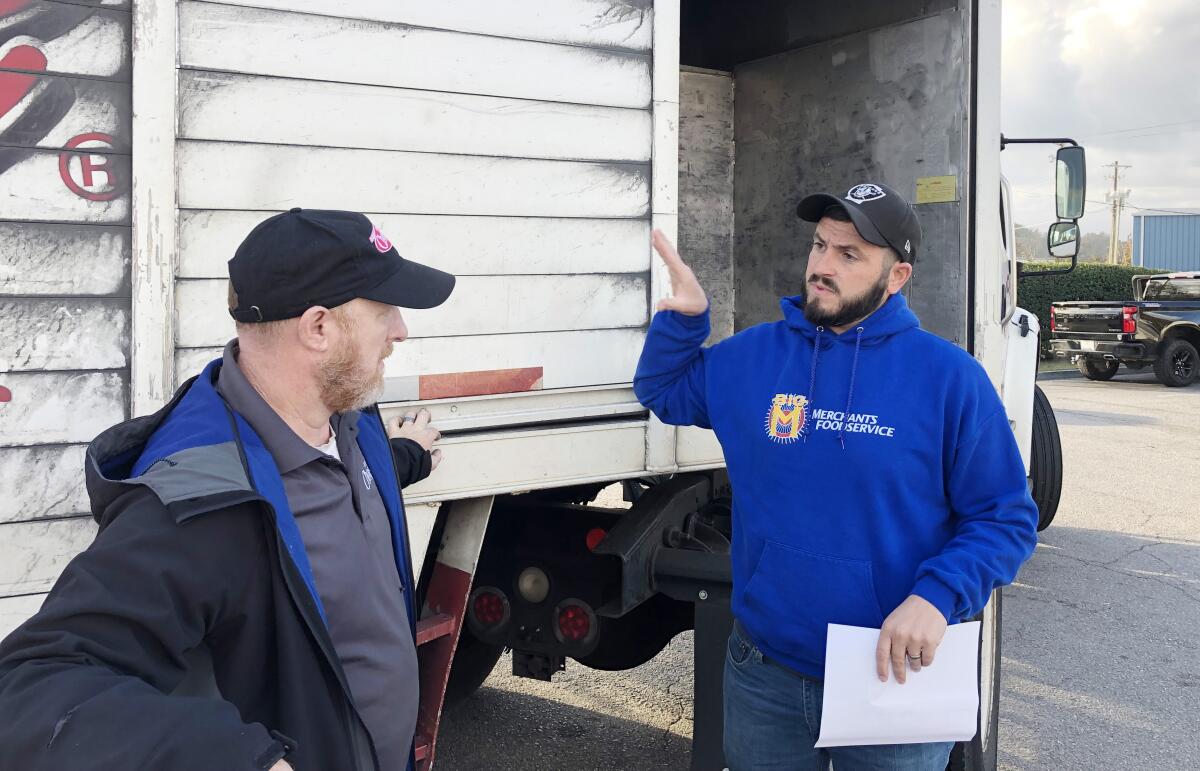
x: 773, y: 718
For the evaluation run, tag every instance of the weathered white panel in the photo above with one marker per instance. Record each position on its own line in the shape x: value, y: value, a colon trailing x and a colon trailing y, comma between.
x: 15, y: 611
x: 421, y: 519
x: 190, y: 361
x: 464, y: 246
x: 42, y: 482
x: 224, y: 106
x: 509, y: 304
x: 222, y: 37
x: 697, y: 447
x: 60, y: 407
x: 666, y: 158
x: 534, y: 459
x: 570, y: 359
x: 472, y: 413
x: 35, y: 189
x: 32, y: 554
x: 53, y: 110
x: 80, y: 39
x: 64, y: 334
x: 52, y: 259
x: 666, y: 50
x: 152, y: 373
x: 480, y: 305
x: 270, y: 177
x: 603, y: 23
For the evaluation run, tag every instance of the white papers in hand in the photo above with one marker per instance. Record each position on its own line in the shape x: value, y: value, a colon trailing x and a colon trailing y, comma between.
x: 937, y: 704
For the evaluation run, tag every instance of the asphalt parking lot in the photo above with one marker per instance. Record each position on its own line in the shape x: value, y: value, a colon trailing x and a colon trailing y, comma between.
x: 1101, y: 650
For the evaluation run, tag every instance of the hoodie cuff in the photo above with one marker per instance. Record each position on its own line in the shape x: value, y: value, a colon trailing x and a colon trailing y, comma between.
x: 939, y: 595
x: 691, y: 326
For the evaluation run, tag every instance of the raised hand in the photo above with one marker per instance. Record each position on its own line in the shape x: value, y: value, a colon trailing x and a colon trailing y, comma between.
x: 687, y: 296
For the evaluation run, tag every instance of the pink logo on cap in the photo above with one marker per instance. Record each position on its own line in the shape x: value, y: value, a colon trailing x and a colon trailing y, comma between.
x: 380, y: 240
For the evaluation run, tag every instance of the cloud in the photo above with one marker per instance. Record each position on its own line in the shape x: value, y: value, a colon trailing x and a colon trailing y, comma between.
x: 1109, y: 73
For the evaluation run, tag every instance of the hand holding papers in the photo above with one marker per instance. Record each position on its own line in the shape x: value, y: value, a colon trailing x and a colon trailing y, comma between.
x: 937, y: 704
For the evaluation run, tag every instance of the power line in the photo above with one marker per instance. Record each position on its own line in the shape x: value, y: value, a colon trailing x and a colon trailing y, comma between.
x: 1141, y: 128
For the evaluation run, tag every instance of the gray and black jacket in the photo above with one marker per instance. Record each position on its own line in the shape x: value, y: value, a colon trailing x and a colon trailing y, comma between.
x: 198, y: 578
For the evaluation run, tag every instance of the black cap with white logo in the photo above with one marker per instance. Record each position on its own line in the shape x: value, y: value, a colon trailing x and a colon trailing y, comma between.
x: 880, y: 214
x: 308, y: 257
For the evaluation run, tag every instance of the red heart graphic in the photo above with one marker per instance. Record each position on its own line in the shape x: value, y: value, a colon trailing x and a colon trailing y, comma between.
x: 14, y: 86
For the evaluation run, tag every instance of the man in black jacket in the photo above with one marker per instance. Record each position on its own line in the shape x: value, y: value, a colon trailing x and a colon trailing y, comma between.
x: 247, y: 603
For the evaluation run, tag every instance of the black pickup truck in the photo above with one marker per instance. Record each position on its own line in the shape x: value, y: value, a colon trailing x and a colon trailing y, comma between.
x: 1160, y: 329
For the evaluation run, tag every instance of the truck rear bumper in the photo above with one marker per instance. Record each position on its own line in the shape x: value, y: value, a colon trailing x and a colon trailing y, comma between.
x: 1101, y: 349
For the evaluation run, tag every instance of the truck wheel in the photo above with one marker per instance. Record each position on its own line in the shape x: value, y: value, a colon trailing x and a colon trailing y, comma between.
x: 1097, y: 369
x: 1177, y: 363
x: 979, y: 754
x: 1045, y: 459
x: 474, y: 660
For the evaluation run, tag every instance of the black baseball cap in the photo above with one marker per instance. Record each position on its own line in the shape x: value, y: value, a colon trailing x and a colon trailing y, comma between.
x: 880, y: 214
x: 306, y: 257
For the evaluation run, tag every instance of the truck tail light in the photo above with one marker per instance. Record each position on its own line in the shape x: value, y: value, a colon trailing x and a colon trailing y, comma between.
x: 576, y: 622
x: 1053, y: 321
x: 489, y: 607
x: 1129, y: 319
x: 594, y: 537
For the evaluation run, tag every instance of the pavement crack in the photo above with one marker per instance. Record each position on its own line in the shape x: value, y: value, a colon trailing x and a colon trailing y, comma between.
x: 1108, y: 566
x: 679, y: 709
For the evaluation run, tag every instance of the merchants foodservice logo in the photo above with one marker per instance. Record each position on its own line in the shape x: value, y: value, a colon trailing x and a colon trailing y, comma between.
x: 786, y: 417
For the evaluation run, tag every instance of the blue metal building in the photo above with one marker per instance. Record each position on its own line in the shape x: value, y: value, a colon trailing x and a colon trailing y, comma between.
x: 1167, y: 241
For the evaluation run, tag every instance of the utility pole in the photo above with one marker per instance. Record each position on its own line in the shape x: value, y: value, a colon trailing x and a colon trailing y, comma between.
x: 1117, y: 199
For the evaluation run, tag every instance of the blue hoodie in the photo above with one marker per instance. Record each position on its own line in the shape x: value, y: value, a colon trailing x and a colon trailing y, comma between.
x: 866, y: 466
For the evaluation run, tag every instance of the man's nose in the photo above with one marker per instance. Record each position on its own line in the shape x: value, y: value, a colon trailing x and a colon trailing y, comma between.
x: 399, y: 329
x: 820, y: 265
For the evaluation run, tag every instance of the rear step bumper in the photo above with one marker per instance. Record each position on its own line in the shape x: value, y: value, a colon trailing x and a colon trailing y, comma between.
x: 1102, y: 349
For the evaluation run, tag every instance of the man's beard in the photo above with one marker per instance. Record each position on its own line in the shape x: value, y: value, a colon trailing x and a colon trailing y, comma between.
x: 345, y: 385
x: 850, y: 310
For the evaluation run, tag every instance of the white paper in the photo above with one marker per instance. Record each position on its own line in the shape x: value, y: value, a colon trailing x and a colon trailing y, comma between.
x: 937, y: 704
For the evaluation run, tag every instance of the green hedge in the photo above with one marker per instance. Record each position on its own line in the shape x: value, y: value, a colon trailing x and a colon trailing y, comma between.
x: 1089, y: 281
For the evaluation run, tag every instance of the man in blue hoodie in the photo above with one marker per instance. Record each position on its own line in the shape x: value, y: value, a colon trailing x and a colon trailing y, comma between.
x: 876, y: 480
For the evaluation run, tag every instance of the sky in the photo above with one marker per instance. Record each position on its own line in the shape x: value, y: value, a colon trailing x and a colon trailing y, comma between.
x: 1121, y: 77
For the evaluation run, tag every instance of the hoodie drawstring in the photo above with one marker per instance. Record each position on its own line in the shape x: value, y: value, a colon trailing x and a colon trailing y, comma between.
x: 812, y: 379
x: 850, y: 392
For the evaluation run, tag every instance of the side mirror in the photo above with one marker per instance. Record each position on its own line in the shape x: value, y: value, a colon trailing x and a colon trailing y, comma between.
x: 1071, y: 182
x: 1063, y: 240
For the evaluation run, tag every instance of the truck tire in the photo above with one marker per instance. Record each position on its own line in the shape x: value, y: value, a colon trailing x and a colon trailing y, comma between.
x: 980, y: 754
x: 1096, y: 369
x: 474, y: 660
x: 1045, y: 459
x: 1177, y: 363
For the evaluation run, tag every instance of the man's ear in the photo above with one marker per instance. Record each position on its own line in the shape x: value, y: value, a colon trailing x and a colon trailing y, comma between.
x: 315, y: 329
x: 900, y: 274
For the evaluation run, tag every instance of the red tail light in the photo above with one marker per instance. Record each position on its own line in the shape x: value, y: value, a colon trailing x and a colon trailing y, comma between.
x: 1052, y: 319
x: 576, y: 621
x: 489, y: 607
x: 594, y: 537
x: 1129, y: 319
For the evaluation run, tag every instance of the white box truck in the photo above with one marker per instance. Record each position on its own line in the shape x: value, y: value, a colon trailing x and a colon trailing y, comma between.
x: 529, y: 146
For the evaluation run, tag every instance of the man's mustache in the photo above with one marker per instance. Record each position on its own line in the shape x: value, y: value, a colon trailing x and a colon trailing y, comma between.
x: 825, y: 282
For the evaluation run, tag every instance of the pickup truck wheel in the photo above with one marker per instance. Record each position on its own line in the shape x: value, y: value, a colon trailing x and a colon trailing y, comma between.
x: 1177, y: 363
x: 1097, y: 369
x: 1045, y: 459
